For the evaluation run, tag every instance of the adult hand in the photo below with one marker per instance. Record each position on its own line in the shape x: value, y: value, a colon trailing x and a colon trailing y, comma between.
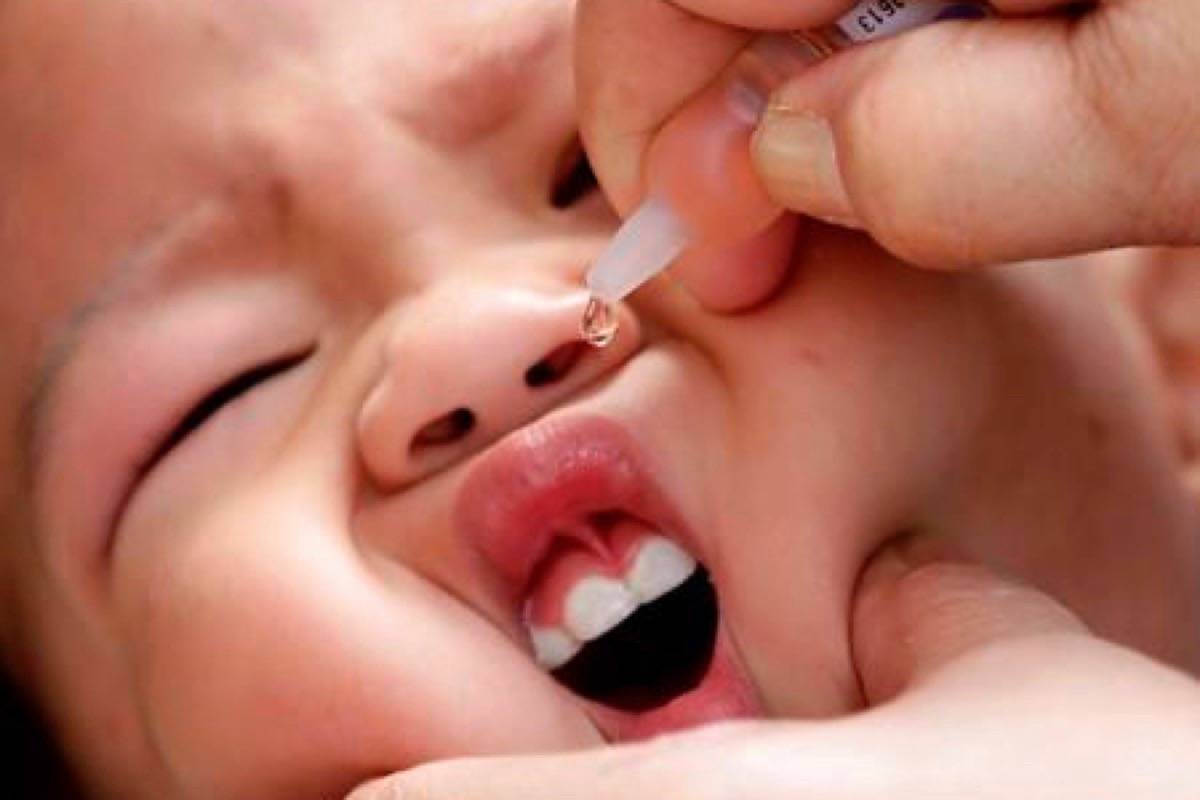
x: 982, y: 688
x: 1060, y: 128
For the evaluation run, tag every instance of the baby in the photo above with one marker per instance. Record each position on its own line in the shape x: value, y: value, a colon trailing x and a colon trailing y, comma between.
x: 307, y: 477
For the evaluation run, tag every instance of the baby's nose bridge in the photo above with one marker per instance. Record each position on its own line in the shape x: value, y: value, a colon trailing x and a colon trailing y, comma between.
x: 467, y: 368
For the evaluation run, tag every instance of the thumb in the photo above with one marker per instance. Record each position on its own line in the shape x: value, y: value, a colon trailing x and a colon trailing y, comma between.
x: 998, y: 140
x: 680, y: 765
x: 917, y: 609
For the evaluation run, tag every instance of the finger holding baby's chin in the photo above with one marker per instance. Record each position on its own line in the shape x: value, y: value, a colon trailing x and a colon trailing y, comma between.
x: 986, y: 688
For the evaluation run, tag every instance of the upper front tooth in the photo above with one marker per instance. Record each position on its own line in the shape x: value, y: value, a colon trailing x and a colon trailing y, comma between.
x: 596, y: 605
x: 553, y: 646
x: 660, y: 566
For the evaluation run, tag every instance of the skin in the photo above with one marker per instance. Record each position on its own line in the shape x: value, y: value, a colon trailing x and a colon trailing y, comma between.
x: 1035, y: 134
x: 937, y: 641
x: 281, y: 606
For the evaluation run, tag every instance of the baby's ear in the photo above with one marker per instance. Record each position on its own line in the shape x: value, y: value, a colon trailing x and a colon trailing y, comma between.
x: 1167, y: 301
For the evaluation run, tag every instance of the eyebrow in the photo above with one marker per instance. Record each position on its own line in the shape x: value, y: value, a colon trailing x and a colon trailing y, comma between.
x: 141, y: 267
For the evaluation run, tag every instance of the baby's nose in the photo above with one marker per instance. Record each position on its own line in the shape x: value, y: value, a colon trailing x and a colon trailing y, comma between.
x: 463, y: 368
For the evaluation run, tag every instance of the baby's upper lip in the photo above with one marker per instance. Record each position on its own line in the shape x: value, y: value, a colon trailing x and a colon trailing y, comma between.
x: 549, y: 475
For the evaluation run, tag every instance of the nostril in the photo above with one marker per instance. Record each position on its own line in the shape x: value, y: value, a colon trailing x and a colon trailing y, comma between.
x: 446, y: 429
x: 555, y: 366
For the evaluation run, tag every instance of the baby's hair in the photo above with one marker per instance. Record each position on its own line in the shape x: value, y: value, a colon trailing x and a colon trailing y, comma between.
x: 32, y: 765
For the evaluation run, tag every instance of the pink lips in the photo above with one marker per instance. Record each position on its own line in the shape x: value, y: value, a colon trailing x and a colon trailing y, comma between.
x: 548, y: 477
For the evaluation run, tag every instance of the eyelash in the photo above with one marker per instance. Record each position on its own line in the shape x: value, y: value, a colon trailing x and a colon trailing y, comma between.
x: 211, y: 404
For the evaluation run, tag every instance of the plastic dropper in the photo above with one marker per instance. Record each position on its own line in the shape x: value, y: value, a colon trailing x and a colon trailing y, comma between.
x: 655, y: 236
x: 646, y: 244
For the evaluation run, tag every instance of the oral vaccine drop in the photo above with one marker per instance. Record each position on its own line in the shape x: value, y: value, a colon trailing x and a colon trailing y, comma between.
x: 599, y: 326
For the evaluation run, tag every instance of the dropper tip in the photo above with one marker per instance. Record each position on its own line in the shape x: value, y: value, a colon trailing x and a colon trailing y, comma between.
x: 646, y: 244
x: 600, y: 324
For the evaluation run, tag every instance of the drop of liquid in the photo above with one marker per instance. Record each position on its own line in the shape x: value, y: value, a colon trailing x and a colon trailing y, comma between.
x: 599, y: 326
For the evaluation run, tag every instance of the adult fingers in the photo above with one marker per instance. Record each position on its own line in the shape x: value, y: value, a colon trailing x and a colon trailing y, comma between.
x: 688, y: 766
x: 637, y: 62
x: 699, y: 164
x: 955, y: 632
x: 738, y: 277
x: 918, y: 608
x: 796, y: 15
x: 1002, y: 139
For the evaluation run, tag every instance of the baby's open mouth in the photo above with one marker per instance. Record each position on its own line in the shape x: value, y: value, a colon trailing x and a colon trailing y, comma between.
x: 606, y: 577
x: 622, y: 615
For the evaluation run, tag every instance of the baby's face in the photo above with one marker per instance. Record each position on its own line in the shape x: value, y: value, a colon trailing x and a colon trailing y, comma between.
x: 303, y: 457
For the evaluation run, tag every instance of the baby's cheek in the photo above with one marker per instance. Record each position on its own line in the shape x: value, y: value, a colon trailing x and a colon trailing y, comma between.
x: 242, y: 650
x: 272, y: 662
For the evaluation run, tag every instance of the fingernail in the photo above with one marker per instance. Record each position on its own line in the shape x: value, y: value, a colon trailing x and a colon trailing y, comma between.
x: 769, y: 61
x: 796, y: 155
x: 783, y: 56
x: 747, y: 98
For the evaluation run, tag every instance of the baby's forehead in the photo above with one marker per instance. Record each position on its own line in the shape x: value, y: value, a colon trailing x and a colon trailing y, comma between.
x: 141, y: 104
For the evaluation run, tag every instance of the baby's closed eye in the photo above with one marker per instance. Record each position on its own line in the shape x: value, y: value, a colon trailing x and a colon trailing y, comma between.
x: 221, y: 397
